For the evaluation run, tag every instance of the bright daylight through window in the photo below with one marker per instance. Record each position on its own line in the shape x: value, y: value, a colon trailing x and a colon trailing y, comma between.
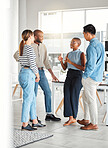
x: 60, y: 27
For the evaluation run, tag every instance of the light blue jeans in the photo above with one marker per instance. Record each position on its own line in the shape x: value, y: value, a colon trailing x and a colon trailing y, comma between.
x: 46, y: 89
x: 27, y: 82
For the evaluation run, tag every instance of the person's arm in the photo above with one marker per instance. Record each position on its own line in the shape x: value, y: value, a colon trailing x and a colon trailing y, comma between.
x: 91, y: 62
x: 46, y: 59
x: 32, y: 62
x: 16, y: 55
x: 52, y: 74
x: 82, y: 66
x: 47, y: 65
x: 64, y: 65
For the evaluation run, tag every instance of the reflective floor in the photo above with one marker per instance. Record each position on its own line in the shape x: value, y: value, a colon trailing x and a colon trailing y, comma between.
x: 64, y: 137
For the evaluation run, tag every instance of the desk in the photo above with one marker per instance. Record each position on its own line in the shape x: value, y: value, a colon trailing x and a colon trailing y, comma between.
x: 55, y: 84
x: 102, y: 86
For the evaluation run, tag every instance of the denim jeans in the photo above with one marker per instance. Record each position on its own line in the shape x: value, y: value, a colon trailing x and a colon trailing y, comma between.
x: 43, y: 83
x: 27, y: 82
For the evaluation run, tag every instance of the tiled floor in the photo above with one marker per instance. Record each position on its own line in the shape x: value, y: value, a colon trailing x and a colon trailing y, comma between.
x: 64, y: 137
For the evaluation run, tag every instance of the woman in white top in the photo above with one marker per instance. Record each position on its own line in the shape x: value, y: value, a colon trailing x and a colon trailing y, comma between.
x: 27, y: 77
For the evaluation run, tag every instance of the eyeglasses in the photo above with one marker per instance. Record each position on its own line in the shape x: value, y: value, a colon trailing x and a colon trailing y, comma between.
x: 73, y: 42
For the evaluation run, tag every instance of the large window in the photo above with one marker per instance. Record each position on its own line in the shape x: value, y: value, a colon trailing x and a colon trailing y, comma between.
x: 73, y: 22
x: 60, y: 27
x: 99, y: 18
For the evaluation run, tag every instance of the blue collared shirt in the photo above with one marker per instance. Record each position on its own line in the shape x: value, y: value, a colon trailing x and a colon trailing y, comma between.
x: 95, y: 60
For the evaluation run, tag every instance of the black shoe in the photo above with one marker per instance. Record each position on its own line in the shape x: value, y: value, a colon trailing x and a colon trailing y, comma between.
x: 28, y: 128
x: 38, y: 125
x: 39, y: 121
x: 51, y: 117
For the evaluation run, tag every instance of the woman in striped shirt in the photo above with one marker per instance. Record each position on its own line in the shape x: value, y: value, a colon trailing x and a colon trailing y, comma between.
x: 27, y: 77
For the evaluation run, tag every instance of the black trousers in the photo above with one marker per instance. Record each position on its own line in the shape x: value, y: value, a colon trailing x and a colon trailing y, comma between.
x: 72, y: 87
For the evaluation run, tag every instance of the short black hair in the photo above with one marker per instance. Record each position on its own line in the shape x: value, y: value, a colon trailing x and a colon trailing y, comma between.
x: 89, y: 28
x: 78, y: 40
x: 37, y: 31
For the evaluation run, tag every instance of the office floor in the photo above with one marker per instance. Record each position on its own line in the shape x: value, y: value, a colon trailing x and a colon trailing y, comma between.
x: 64, y: 137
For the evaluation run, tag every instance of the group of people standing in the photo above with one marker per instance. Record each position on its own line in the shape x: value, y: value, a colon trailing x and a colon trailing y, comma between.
x: 82, y: 71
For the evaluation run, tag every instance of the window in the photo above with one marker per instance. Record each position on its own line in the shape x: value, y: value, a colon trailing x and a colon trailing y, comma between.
x: 73, y: 22
x: 60, y: 27
x: 51, y: 22
x: 99, y: 18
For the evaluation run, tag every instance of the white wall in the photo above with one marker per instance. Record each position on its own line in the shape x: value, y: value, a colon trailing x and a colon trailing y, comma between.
x: 14, y: 14
x: 33, y: 6
x: 22, y: 17
x: 8, y: 42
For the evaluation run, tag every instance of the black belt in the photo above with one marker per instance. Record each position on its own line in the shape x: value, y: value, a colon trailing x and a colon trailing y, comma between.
x: 40, y: 68
x: 26, y: 66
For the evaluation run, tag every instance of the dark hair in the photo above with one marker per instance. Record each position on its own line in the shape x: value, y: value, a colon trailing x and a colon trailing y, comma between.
x: 25, y: 35
x: 78, y: 40
x: 37, y: 31
x: 89, y: 28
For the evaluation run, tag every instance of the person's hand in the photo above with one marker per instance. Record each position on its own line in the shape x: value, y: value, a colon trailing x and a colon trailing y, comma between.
x: 37, y: 77
x: 54, y: 78
x: 67, y: 60
x: 60, y: 58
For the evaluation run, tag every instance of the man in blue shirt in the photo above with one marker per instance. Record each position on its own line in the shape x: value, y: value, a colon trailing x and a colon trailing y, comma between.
x: 92, y: 76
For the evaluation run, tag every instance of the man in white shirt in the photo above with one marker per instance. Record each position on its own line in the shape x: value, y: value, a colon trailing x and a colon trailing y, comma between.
x: 43, y: 61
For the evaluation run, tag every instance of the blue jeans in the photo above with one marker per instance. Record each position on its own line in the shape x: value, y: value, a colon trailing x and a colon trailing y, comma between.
x: 27, y: 82
x: 43, y: 83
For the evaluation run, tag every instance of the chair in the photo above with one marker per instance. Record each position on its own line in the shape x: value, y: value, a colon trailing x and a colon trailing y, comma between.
x: 16, y: 84
x: 15, y: 90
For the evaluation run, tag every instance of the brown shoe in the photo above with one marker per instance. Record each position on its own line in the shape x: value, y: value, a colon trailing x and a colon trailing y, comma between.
x: 83, y: 122
x: 90, y: 127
